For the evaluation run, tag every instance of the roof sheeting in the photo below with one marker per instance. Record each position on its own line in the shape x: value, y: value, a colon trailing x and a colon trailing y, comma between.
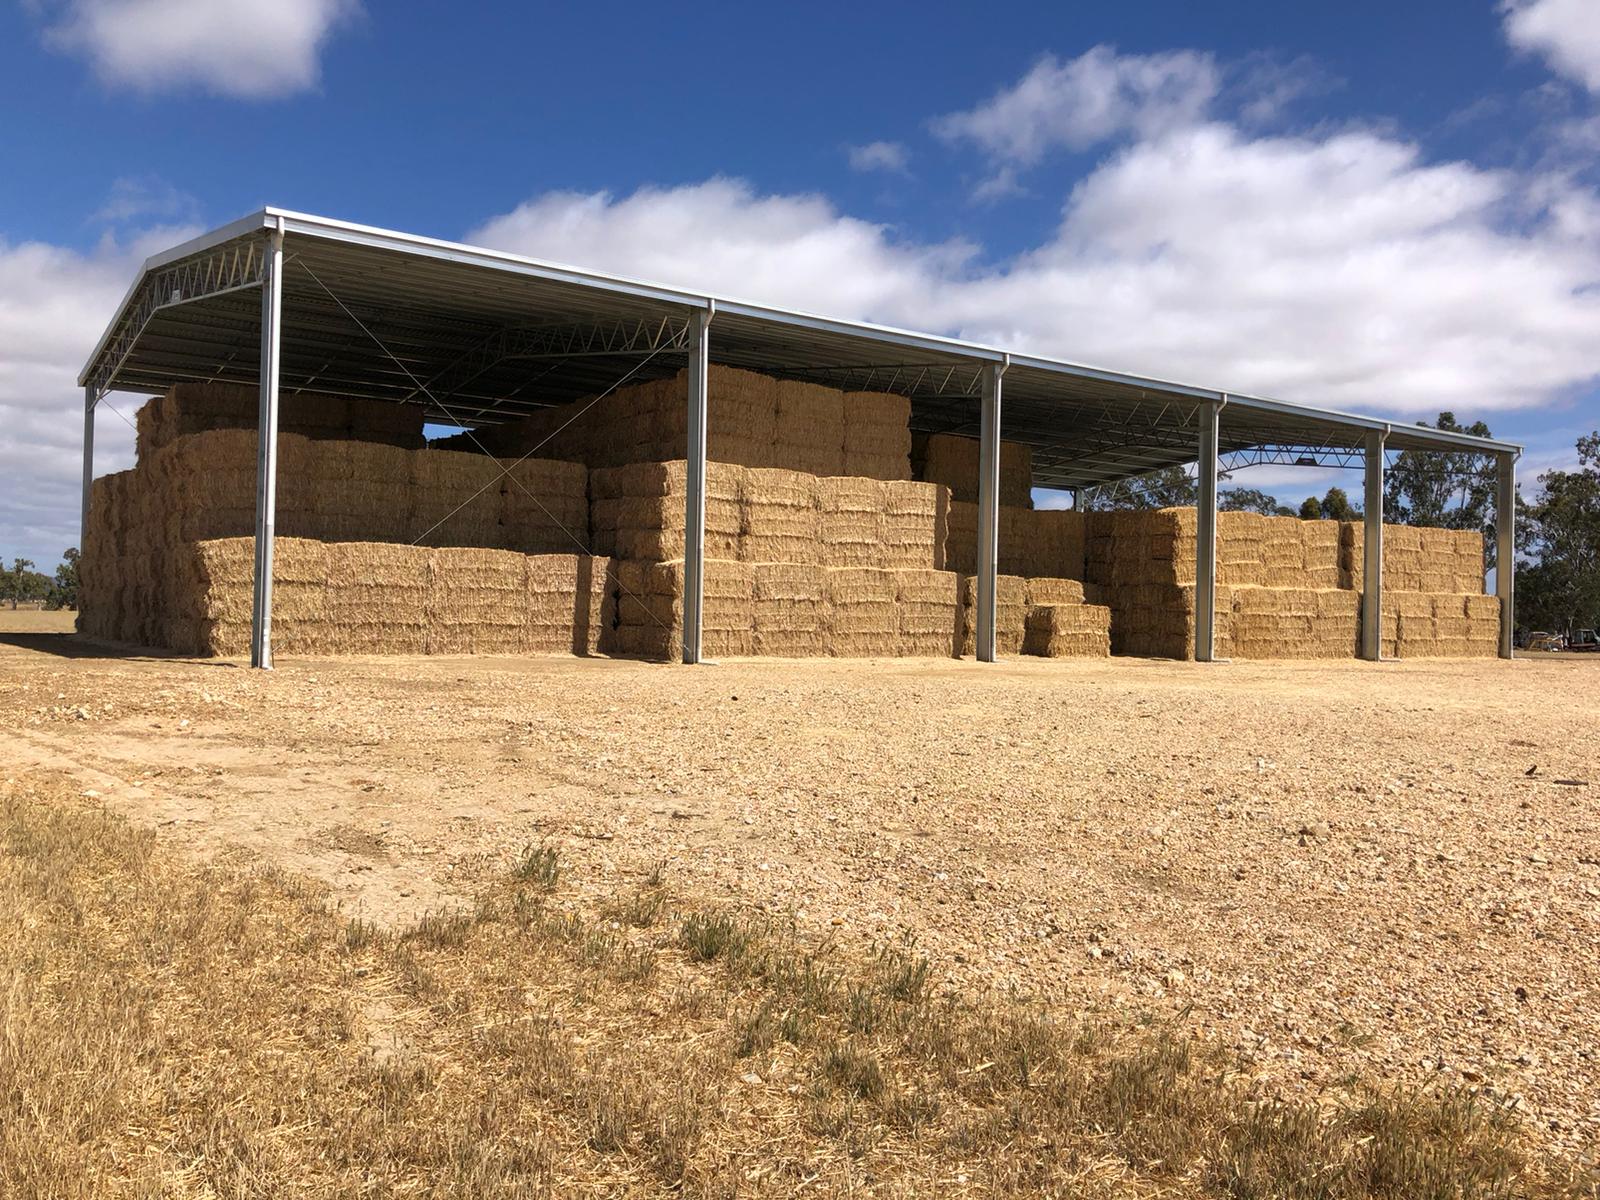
x: 479, y: 336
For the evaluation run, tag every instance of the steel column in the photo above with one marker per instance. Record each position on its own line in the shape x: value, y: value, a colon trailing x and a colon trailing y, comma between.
x: 988, y: 511
x: 1205, y: 578
x: 694, y: 538
x: 1505, y: 550
x: 267, y: 451
x: 89, y: 399
x: 1372, y: 551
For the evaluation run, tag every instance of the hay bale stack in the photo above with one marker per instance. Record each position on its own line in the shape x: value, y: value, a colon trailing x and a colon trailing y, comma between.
x: 569, y: 602
x: 1272, y: 622
x: 637, y: 511
x: 851, y: 521
x: 1068, y: 630
x: 1010, y: 614
x: 953, y: 461
x: 1042, y: 542
x: 863, y: 620
x: 928, y: 612
x: 359, y: 492
x: 190, y: 408
x: 780, y: 521
x: 789, y: 609
x: 544, y: 506
x: 809, y: 428
x: 476, y: 601
x: 650, y: 608
x: 1322, y: 539
x: 1416, y: 559
x: 914, y: 527
x: 375, y: 600
x: 1446, y: 625
x: 455, y: 500
x: 877, y: 435
x: 741, y: 418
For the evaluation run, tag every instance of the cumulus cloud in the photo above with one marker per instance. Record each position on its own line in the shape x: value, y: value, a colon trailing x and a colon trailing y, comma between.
x: 1342, y: 270
x: 243, y: 48
x: 892, y: 157
x: 54, y: 303
x: 1565, y: 33
x: 1087, y: 100
x: 721, y: 236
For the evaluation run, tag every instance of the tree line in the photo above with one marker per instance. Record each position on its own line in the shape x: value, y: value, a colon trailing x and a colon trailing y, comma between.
x: 21, y: 584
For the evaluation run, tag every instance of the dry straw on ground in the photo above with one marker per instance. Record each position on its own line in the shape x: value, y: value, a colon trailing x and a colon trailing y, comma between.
x: 212, y: 1031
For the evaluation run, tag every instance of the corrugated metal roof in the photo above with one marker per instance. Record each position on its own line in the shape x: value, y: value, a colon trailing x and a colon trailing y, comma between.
x: 491, y: 336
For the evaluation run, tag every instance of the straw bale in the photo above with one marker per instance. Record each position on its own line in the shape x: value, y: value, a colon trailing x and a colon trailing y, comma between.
x: 953, y: 461
x: 1067, y: 631
x: 809, y: 414
x: 1042, y: 591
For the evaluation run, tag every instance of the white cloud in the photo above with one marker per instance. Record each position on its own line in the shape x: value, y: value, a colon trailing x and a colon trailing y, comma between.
x: 146, y: 198
x: 54, y: 303
x: 880, y: 156
x: 1085, y: 101
x: 1565, y: 33
x: 1342, y: 270
x: 721, y: 237
x: 246, y: 48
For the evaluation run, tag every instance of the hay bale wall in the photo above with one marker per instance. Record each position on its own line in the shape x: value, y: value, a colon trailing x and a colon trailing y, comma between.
x: 952, y: 460
x: 189, y: 408
x: 752, y: 420
x: 1286, y: 588
x: 380, y: 598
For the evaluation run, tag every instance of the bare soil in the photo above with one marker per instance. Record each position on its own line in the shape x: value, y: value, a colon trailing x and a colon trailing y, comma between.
x: 1346, y: 871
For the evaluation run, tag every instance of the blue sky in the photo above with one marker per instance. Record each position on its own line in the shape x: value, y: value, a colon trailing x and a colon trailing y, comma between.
x: 1378, y: 206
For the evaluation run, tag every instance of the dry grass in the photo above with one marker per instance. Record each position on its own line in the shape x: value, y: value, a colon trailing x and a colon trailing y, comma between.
x: 173, y: 1030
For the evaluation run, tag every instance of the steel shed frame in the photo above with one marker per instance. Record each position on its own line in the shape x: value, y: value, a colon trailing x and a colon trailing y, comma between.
x: 297, y: 302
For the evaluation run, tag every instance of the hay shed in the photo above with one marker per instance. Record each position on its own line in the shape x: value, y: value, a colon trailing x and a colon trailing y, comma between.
x: 334, y: 327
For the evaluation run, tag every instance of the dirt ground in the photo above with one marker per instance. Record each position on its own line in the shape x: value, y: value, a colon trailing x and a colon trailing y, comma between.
x: 1341, y: 869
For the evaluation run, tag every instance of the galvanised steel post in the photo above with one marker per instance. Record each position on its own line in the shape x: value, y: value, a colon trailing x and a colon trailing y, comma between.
x: 1505, y: 549
x: 1372, y: 551
x: 1205, y: 579
x: 988, y: 510
x: 267, y: 451
x: 89, y: 399
x: 694, y: 537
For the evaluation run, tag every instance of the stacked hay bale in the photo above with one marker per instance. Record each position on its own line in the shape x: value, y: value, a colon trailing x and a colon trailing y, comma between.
x: 1061, y: 624
x: 1010, y: 614
x: 953, y: 461
x: 1042, y: 542
x: 928, y: 606
x: 850, y: 525
x: 877, y: 435
x: 863, y: 620
x: 789, y: 609
x: 1446, y: 625
x: 1288, y: 622
x: 1417, y: 559
x: 650, y: 609
x: 808, y: 428
x: 638, y: 511
x: 914, y: 526
x: 752, y: 420
x: 189, y: 408
x: 379, y: 598
x: 568, y: 604
x: 779, y: 517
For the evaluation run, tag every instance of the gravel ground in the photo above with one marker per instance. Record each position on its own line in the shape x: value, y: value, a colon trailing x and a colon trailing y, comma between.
x: 1344, y: 870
